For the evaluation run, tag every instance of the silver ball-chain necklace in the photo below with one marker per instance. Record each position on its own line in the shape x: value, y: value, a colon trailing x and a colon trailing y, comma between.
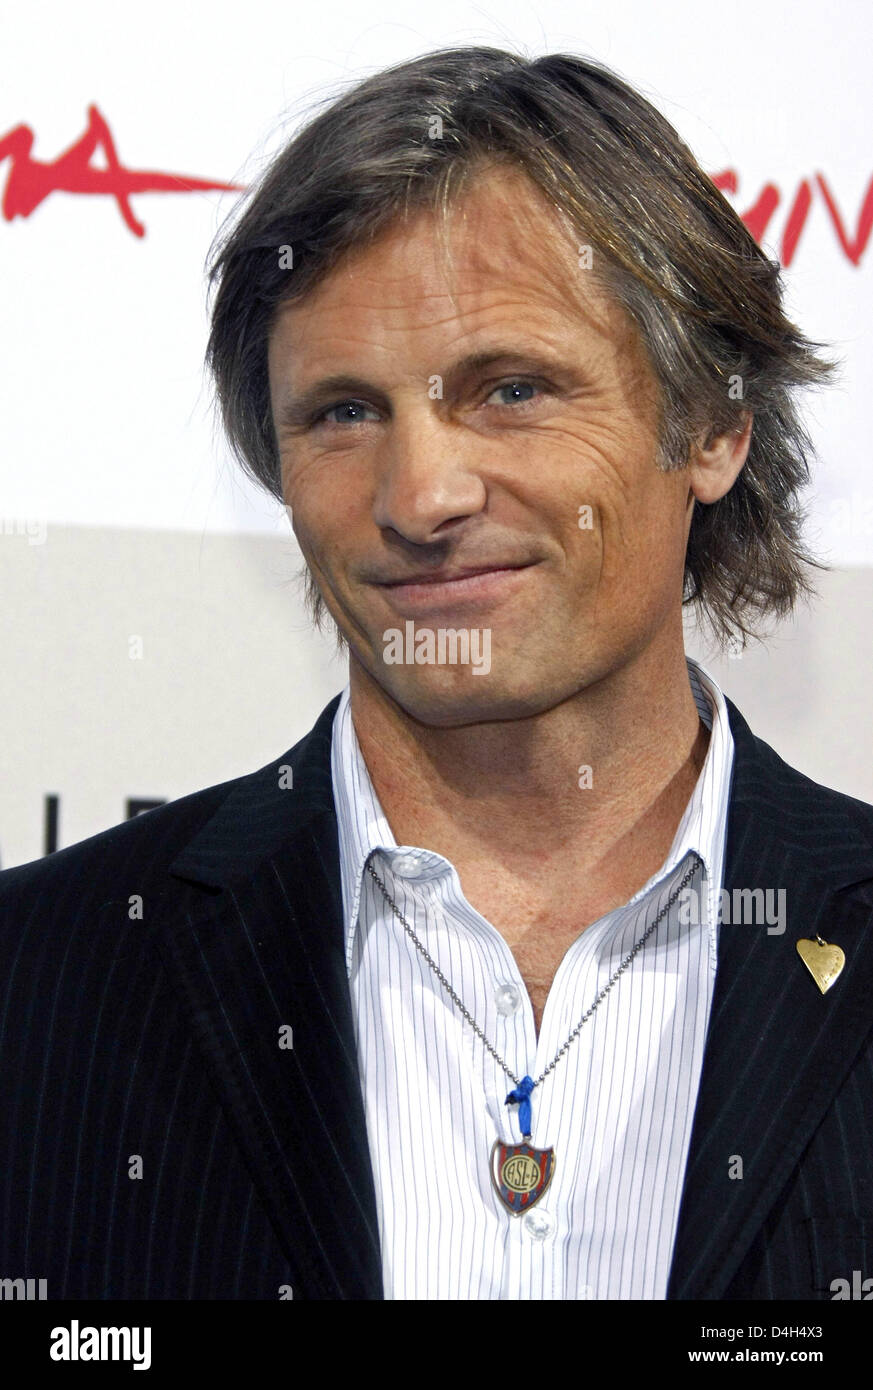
x: 520, y: 1173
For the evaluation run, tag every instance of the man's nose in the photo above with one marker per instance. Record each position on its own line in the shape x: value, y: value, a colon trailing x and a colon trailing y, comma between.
x: 427, y: 474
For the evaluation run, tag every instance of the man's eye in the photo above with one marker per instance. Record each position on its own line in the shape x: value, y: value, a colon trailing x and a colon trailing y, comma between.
x: 513, y: 393
x: 347, y: 413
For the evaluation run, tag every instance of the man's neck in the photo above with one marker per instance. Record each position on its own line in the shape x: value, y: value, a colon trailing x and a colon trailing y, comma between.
x: 503, y: 801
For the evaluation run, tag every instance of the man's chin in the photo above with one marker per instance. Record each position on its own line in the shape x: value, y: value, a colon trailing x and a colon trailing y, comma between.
x: 452, y: 703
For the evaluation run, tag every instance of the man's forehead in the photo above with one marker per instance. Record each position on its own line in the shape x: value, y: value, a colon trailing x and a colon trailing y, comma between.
x: 499, y: 246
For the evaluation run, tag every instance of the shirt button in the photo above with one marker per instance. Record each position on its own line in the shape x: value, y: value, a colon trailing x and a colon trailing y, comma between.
x: 405, y: 864
x: 538, y: 1224
x: 508, y: 999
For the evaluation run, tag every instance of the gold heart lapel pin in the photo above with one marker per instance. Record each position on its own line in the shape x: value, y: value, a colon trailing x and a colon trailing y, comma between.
x: 824, y: 962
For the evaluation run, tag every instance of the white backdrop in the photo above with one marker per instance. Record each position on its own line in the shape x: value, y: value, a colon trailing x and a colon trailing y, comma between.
x: 121, y: 513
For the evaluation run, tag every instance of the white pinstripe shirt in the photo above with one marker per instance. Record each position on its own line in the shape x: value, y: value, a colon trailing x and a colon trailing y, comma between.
x: 617, y: 1109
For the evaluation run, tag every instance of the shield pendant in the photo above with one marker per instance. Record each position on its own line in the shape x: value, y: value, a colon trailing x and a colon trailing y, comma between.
x: 520, y: 1174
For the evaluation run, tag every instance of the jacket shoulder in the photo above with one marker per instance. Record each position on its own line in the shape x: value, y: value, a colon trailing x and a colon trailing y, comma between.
x: 135, y: 856
x: 135, y: 851
x: 827, y: 824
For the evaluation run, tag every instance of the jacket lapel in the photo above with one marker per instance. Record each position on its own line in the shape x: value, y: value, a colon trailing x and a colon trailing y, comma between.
x: 777, y: 1049
x: 262, y: 955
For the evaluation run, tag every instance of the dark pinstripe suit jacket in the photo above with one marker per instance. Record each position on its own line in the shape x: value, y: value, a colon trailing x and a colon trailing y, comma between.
x: 147, y: 971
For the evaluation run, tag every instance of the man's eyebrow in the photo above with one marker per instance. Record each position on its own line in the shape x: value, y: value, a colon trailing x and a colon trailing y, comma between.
x: 298, y: 409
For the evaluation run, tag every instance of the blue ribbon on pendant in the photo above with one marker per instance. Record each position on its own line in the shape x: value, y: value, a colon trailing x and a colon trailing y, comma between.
x: 521, y: 1097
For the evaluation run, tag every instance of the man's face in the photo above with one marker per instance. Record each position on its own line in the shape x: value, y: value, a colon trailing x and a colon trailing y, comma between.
x: 472, y: 446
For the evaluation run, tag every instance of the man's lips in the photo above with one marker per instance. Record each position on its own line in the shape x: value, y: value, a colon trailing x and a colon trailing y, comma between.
x: 448, y: 586
x: 450, y: 576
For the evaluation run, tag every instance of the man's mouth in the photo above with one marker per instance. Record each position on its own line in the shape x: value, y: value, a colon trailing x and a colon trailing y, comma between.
x: 450, y: 586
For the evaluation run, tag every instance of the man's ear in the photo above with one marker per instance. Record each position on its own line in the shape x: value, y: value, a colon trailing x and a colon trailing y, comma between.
x: 714, y: 465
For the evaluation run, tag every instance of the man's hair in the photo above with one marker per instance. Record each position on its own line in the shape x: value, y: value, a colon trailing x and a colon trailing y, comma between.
x: 668, y: 246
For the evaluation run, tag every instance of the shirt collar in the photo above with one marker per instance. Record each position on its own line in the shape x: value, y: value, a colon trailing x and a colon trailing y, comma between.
x: 363, y: 827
